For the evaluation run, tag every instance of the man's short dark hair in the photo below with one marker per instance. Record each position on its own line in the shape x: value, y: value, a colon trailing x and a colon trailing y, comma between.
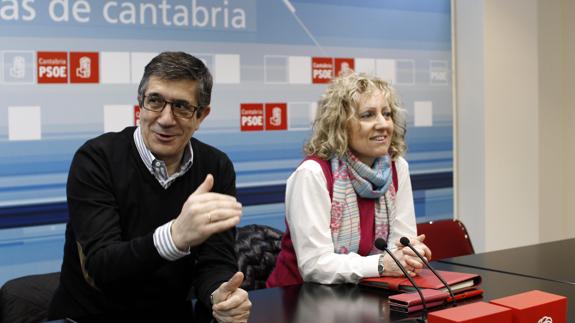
x: 179, y: 66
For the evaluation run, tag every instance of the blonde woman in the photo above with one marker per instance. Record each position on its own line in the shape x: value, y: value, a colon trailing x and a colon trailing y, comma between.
x: 352, y: 188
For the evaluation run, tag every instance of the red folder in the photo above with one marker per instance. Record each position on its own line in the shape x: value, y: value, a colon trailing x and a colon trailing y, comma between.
x: 426, y: 279
x: 411, y: 302
x: 410, y: 299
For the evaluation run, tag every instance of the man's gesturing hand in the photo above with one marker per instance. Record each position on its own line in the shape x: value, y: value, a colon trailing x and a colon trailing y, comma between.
x: 230, y: 302
x: 203, y: 214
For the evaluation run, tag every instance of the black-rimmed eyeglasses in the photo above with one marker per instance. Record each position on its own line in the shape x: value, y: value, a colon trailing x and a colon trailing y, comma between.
x: 180, y: 108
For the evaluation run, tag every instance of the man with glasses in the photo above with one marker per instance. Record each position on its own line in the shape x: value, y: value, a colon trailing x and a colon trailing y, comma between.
x: 152, y: 210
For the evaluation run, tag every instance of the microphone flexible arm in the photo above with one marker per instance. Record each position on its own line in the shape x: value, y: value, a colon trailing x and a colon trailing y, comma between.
x: 405, y: 242
x: 381, y: 244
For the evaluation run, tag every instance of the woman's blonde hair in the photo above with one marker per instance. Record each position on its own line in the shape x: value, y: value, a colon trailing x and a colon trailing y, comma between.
x: 338, y: 106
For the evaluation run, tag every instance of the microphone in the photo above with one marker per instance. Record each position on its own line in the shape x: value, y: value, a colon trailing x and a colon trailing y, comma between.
x: 406, y: 243
x: 381, y: 244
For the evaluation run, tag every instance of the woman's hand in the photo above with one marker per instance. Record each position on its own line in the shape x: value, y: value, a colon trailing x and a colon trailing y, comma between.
x: 390, y: 267
x: 413, y: 261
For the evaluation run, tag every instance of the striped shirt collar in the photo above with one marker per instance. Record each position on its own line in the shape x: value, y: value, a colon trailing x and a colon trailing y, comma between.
x: 158, y: 167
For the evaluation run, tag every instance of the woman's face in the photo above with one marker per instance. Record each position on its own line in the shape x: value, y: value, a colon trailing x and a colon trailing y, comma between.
x: 370, y: 132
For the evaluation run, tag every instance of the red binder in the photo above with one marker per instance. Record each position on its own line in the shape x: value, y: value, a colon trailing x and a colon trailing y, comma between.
x: 426, y: 279
x: 411, y: 302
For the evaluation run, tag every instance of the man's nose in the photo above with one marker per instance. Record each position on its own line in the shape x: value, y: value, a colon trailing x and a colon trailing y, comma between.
x: 167, y: 116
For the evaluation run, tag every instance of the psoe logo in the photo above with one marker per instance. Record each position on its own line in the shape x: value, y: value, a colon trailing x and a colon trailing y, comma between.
x: 84, y: 70
x: 438, y: 72
x: 438, y: 76
x: 545, y: 319
x: 84, y: 67
x: 251, y: 117
x: 321, y: 70
x: 52, y: 67
x: 18, y: 68
x: 276, y: 116
x: 343, y: 65
x: 137, y: 115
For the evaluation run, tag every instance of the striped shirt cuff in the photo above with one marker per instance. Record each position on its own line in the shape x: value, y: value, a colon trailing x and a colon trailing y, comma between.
x: 165, y: 245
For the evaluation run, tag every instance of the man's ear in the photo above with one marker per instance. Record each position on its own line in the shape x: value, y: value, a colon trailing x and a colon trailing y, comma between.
x: 202, y: 114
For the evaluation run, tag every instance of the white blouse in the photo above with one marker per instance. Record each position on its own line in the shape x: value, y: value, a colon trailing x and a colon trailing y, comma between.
x: 308, y: 206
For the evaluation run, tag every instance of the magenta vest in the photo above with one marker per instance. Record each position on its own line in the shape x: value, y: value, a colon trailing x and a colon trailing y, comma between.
x: 286, y: 271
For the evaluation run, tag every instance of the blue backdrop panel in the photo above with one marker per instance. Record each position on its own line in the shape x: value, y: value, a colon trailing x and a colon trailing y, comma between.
x: 256, y: 50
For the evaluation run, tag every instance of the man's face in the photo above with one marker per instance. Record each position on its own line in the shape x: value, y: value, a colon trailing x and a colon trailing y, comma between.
x: 165, y: 135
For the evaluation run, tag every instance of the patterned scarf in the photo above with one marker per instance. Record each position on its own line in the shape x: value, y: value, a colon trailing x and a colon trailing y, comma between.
x: 351, y: 178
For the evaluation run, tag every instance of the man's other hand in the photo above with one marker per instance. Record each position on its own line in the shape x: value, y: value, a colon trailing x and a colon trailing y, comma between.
x: 230, y: 302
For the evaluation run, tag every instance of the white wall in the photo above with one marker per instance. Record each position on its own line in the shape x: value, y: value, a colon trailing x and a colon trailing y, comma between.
x: 470, y: 139
x: 514, y: 83
x: 559, y: 222
x: 552, y: 125
x: 568, y: 117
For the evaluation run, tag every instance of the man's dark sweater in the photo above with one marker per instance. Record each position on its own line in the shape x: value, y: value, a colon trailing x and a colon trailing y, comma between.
x: 115, y: 204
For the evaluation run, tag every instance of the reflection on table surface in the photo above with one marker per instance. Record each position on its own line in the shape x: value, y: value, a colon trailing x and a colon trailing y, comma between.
x: 544, y: 261
x: 350, y: 303
x: 323, y: 303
